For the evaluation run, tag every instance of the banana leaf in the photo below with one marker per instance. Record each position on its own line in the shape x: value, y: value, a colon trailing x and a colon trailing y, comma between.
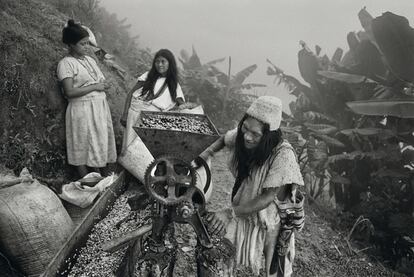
x: 243, y: 74
x: 324, y: 129
x: 394, y: 37
x: 190, y: 62
x: 317, y: 152
x: 345, y: 77
x: 316, y: 116
x: 215, y: 61
x: 337, y: 56
x: 393, y: 173
x: 274, y: 70
x: 308, y: 65
x: 303, y: 102
x: 383, y: 92
x: 247, y: 86
x: 337, y: 179
x: 368, y: 132
x: 329, y: 140
x: 294, y: 86
x: 295, y: 139
x: 222, y: 78
x: 184, y: 55
x: 373, y: 155
x: 295, y: 129
x: 403, y: 108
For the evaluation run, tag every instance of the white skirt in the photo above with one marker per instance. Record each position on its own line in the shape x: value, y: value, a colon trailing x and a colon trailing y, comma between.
x: 90, y: 136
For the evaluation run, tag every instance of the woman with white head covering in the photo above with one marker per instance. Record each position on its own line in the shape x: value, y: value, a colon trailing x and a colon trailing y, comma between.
x: 266, y: 170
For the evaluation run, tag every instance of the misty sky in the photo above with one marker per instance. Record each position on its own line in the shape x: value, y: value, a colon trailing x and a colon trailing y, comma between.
x: 250, y: 30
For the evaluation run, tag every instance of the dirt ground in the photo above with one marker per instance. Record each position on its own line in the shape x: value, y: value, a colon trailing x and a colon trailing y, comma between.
x: 320, y: 250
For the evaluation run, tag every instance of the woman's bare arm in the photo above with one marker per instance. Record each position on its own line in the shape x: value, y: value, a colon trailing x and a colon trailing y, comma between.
x: 129, y: 96
x: 215, y: 147
x: 72, y: 92
x: 258, y: 203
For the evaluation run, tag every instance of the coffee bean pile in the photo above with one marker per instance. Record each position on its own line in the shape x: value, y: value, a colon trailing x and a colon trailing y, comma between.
x: 177, y: 123
x: 91, y: 259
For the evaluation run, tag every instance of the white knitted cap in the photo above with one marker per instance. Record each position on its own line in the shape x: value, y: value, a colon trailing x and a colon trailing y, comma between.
x: 267, y: 109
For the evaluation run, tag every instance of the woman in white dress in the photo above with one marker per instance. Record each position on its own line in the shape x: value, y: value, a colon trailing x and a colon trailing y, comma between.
x: 155, y: 90
x: 90, y: 139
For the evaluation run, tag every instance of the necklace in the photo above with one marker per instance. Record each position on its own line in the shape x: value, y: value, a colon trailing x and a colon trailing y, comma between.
x: 89, y: 68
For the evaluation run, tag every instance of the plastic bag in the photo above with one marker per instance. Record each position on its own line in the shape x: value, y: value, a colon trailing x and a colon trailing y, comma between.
x: 83, y: 196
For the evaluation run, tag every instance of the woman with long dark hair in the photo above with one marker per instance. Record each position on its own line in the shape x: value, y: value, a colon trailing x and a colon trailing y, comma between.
x: 266, y: 170
x: 155, y: 90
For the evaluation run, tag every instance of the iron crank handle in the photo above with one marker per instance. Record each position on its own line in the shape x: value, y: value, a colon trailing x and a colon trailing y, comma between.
x: 200, y: 230
x: 202, y: 163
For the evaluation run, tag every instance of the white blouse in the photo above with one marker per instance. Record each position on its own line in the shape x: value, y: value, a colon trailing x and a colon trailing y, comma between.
x: 84, y: 72
x: 164, y: 102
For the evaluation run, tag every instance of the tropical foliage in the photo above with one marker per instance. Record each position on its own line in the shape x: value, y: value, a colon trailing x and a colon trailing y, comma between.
x: 223, y: 95
x: 354, y: 120
x: 111, y: 32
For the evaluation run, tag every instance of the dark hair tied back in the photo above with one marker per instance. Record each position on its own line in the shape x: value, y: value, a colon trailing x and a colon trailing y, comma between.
x: 73, y: 33
x: 71, y: 23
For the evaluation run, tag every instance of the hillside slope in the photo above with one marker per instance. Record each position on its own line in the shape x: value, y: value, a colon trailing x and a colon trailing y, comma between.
x: 32, y: 105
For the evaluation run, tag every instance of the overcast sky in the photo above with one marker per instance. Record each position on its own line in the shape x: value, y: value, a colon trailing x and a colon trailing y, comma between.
x: 250, y: 31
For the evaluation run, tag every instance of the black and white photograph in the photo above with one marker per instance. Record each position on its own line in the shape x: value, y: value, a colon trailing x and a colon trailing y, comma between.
x: 215, y: 138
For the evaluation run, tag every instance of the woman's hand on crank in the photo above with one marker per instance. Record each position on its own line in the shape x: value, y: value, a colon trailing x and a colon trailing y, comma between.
x: 218, y: 221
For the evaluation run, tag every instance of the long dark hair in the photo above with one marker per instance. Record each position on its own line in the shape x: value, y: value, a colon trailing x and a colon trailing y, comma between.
x: 153, y: 75
x: 245, y: 159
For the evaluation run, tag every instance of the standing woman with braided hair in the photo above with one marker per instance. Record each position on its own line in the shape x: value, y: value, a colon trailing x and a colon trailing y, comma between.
x: 90, y: 139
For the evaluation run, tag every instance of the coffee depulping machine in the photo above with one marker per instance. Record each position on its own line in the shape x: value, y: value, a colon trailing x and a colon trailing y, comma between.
x: 175, y: 140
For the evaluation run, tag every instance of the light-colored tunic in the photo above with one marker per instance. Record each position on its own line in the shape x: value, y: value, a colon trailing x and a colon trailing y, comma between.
x: 249, y: 233
x: 90, y: 137
x: 164, y: 102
